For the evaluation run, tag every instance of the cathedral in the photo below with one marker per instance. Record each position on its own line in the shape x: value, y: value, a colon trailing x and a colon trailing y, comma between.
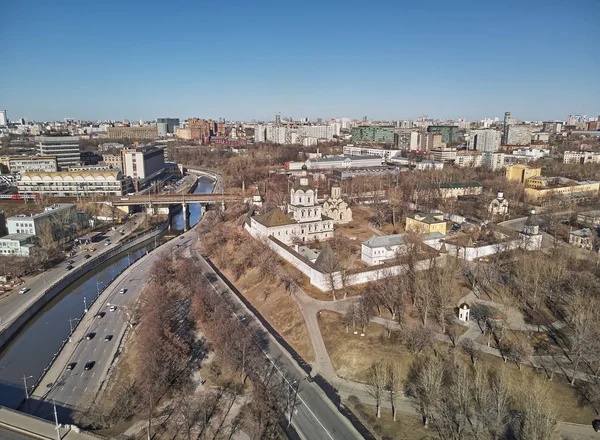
x: 303, y: 222
x: 334, y: 207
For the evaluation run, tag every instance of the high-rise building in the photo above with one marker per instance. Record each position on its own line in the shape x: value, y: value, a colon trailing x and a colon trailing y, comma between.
x: 166, y: 125
x: 449, y: 132
x: 3, y: 118
x: 518, y: 135
x: 485, y: 140
x: 277, y: 119
x: 64, y: 148
x: 507, y: 123
x: 408, y: 139
x: 429, y: 141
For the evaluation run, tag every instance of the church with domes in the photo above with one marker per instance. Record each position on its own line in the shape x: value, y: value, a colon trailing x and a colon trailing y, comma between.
x: 303, y: 222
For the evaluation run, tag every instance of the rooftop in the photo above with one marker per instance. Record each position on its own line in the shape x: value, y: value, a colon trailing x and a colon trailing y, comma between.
x: 424, y: 217
x: 17, y: 237
x: 583, y: 233
x: 48, y: 211
x: 459, y: 185
x: 275, y: 217
x: 385, y: 241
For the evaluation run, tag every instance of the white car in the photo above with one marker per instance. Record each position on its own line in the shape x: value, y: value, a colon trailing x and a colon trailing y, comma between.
x: 113, y: 308
x: 122, y: 291
x: 24, y: 290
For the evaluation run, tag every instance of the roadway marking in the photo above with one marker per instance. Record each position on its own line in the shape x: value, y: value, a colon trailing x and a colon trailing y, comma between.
x: 92, y: 376
x: 74, y: 388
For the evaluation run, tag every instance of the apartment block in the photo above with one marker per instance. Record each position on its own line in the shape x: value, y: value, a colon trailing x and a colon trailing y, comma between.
x: 485, y: 140
x: 430, y: 141
x: 377, y: 134
x: 407, y: 140
x: 581, y: 157
x: 468, y: 159
x: 449, y: 132
x: 518, y: 135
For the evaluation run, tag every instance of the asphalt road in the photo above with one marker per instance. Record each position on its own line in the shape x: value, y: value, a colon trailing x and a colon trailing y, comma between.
x: 314, y: 416
x: 78, y: 387
x: 11, y: 303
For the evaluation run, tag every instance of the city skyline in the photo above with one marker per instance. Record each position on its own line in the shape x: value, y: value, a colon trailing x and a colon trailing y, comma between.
x: 336, y: 60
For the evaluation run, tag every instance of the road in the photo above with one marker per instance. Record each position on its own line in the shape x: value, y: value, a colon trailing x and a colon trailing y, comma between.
x: 11, y: 304
x: 78, y: 387
x: 315, y: 417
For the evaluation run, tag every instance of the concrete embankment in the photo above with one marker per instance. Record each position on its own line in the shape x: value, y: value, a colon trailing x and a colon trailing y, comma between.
x: 30, y: 310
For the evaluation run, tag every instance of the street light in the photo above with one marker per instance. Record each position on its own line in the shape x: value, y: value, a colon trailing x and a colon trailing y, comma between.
x: 71, y: 327
x: 25, y: 382
x: 98, y: 287
x: 85, y: 309
x: 297, y: 383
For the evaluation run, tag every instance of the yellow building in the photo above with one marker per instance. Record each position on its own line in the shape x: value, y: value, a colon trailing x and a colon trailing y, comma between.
x: 520, y: 173
x: 425, y: 223
x: 543, y: 189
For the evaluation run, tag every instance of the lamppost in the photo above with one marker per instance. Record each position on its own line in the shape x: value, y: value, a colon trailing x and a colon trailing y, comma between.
x: 71, y: 327
x: 297, y: 383
x: 98, y: 287
x: 25, y: 383
x: 85, y: 309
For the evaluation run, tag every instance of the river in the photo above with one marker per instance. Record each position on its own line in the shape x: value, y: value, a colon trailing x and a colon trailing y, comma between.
x: 33, y: 348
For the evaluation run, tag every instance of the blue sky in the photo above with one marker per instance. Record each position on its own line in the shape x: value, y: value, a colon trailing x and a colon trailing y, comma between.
x: 244, y: 60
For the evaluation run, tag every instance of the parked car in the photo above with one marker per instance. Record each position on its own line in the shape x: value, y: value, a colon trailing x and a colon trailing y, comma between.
x: 122, y: 291
x: 90, y: 336
x: 89, y: 365
x: 86, y: 256
x: 24, y: 290
x: 596, y: 425
x: 71, y: 366
x: 108, y: 338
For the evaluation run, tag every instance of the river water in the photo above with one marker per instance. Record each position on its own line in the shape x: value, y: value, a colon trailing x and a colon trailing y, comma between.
x: 33, y: 348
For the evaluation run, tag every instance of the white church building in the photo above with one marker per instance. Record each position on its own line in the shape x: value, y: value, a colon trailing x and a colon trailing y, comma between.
x: 304, y: 221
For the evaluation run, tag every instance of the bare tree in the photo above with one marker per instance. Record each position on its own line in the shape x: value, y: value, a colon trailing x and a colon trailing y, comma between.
x: 424, y: 382
x: 538, y: 421
x: 470, y: 347
x: 377, y: 380
x: 394, y: 385
x: 583, y: 317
